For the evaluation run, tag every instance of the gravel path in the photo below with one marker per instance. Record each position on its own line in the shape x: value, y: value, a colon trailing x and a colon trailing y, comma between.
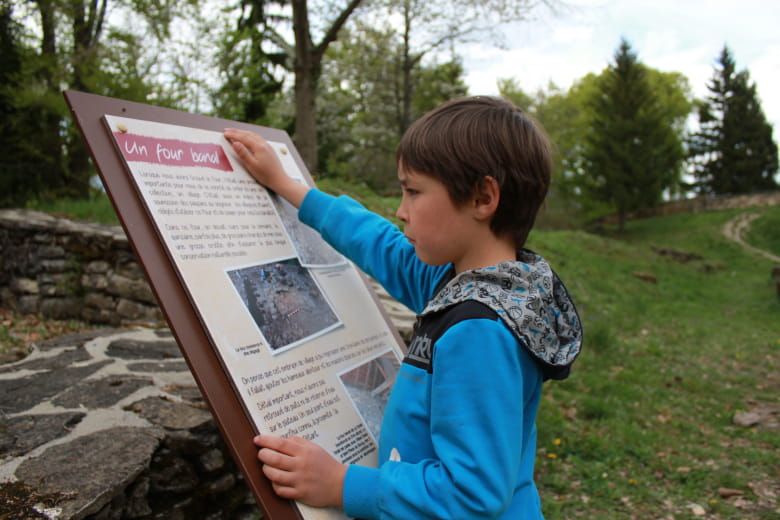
x: 736, y: 227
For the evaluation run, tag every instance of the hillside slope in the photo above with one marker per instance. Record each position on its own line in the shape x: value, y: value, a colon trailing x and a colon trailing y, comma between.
x: 675, y: 395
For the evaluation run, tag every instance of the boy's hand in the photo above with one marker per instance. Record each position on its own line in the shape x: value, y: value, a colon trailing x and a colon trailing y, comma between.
x: 261, y: 161
x: 301, y: 470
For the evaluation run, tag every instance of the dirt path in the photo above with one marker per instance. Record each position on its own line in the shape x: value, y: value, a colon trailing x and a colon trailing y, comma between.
x: 734, y: 229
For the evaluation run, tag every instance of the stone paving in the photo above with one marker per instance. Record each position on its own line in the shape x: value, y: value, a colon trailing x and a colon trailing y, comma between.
x: 112, y: 423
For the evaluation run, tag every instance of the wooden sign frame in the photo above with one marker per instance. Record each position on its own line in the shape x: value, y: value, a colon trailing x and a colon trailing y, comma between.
x: 191, y: 335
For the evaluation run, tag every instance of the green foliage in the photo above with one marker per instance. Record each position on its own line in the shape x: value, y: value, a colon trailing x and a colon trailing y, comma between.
x: 632, y: 152
x: 569, y: 118
x: 20, y: 160
x: 361, y: 107
x: 249, y: 83
x: 437, y: 83
x: 734, y: 151
x: 51, y: 46
x: 566, y: 118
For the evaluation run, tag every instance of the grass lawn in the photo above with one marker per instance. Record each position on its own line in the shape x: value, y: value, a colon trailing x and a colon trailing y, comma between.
x: 644, y: 428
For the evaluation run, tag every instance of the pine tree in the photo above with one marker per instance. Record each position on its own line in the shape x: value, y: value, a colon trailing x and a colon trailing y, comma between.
x: 733, y: 152
x: 632, y: 153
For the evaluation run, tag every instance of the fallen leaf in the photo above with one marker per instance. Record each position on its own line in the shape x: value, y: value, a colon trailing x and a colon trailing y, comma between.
x: 728, y: 493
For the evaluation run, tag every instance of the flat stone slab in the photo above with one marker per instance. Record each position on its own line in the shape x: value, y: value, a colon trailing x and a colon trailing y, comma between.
x: 101, y: 393
x: 168, y: 365
x: 134, y: 349
x: 21, y: 434
x: 91, y: 469
x: 17, y: 395
x: 168, y: 414
x: 61, y: 360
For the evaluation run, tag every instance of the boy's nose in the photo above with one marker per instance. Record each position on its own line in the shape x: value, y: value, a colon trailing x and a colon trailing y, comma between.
x: 400, y: 213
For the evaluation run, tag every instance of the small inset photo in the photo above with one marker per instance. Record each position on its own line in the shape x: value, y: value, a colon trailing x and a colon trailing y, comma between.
x: 368, y: 386
x: 312, y: 250
x: 285, y: 302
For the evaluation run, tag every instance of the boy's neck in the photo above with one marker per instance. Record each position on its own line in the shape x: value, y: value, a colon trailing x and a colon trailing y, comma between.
x: 491, y: 251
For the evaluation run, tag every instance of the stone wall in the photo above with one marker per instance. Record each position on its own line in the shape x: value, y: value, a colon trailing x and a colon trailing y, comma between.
x: 67, y: 269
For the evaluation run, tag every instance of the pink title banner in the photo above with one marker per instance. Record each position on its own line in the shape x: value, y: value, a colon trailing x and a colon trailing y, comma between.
x: 172, y: 152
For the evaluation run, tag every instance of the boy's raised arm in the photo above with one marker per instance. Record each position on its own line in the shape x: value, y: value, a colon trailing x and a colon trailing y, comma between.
x: 261, y: 161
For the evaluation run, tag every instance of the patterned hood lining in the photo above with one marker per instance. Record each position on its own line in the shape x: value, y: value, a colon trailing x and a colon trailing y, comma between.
x: 531, y: 300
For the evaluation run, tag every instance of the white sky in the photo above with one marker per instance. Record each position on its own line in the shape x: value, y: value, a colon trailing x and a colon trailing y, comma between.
x: 685, y: 36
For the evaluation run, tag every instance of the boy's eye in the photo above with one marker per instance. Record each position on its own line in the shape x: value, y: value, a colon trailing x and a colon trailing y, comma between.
x: 411, y: 191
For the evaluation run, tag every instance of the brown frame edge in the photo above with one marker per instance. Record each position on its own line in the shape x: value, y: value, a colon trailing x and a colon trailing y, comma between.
x: 190, y: 334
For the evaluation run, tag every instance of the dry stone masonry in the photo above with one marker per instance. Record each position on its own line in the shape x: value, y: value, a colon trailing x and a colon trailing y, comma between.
x: 66, y: 269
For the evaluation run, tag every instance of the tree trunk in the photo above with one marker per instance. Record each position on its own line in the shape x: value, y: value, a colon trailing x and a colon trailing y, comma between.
x: 305, y: 87
x: 406, y: 74
x: 308, y: 59
x: 87, y: 26
x: 52, y: 172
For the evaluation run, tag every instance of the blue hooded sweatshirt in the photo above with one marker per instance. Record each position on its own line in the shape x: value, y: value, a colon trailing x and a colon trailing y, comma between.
x: 458, y: 437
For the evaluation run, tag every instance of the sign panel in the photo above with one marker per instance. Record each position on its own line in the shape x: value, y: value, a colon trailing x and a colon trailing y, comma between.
x: 276, y: 325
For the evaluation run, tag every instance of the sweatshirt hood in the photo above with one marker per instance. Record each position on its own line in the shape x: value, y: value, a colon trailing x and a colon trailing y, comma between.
x: 531, y: 300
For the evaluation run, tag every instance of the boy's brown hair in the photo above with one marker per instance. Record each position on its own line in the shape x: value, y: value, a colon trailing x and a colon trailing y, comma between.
x: 465, y: 140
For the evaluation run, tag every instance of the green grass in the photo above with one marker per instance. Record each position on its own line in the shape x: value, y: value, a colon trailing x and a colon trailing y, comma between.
x: 765, y: 231
x: 643, y: 429
x: 97, y: 208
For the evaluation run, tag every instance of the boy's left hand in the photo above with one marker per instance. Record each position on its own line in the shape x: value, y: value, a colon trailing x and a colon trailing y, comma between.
x: 301, y: 470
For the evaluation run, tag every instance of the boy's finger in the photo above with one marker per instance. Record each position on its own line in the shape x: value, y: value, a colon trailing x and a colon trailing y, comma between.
x: 267, y: 441
x: 278, y: 476
x: 285, y: 491
x: 274, y: 442
x: 274, y: 458
x: 234, y: 133
x: 241, y: 149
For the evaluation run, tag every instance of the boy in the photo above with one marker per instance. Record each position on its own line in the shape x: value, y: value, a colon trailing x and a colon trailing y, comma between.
x: 458, y: 438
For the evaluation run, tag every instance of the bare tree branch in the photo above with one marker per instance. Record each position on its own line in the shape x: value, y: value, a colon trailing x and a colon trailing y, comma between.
x: 334, y: 29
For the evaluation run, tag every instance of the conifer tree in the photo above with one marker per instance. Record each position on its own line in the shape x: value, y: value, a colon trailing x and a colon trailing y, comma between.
x: 632, y: 152
x: 733, y: 152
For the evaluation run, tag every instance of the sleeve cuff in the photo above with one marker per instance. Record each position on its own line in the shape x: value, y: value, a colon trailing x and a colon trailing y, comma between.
x: 360, y: 492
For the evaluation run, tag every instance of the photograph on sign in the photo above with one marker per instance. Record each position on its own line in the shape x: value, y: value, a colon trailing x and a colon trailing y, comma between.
x: 368, y: 385
x: 285, y: 302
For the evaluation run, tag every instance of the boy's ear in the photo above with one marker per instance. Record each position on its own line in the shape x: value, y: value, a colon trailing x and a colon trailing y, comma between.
x: 486, y: 197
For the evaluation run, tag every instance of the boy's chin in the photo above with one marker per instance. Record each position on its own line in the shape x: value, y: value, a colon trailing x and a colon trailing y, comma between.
x: 431, y: 260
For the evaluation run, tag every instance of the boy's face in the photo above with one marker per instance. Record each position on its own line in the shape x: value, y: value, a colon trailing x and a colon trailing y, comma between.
x: 439, y: 230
